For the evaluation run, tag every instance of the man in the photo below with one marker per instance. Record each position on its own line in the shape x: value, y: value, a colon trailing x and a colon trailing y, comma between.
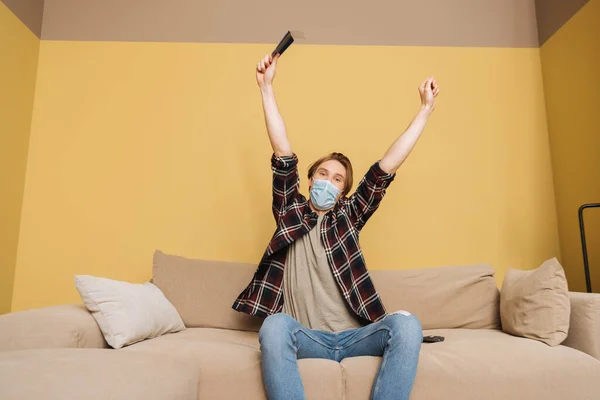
x: 312, y: 284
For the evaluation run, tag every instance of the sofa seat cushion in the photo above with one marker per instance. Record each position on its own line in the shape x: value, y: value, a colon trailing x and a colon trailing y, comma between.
x: 487, y: 364
x: 230, y: 366
x: 65, y: 374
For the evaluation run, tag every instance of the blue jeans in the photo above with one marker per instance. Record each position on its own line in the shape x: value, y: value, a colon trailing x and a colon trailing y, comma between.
x: 397, y: 338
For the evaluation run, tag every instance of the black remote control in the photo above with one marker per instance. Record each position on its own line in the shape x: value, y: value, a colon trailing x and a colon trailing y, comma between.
x: 433, y: 339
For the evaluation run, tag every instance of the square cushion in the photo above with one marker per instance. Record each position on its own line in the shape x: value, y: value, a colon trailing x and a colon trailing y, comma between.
x: 128, y: 313
x: 535, y: 304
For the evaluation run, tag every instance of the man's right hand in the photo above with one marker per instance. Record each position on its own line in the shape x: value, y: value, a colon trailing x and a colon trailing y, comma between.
x: 265, y: 70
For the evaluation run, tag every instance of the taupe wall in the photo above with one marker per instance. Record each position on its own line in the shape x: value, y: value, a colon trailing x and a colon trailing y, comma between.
x: 552, y: 14
x: 477, y: 23
x: 497, y: 23
x: 28, y: 11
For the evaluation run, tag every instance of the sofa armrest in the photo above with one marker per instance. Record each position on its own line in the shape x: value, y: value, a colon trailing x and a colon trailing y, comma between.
x: 584, y: 329
x: 50, y: 327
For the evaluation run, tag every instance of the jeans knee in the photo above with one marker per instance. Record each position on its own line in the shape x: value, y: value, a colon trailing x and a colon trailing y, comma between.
x: 275, y: 329
x: 405, y: 327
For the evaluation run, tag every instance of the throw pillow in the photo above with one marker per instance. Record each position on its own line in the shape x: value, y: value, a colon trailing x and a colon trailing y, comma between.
x: 127, y: 313
x: 535, y: 304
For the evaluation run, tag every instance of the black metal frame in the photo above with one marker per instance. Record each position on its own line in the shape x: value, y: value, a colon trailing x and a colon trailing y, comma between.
x: 586, y: 266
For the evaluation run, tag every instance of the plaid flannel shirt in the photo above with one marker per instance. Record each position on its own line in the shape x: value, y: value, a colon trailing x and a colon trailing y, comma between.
x: 339, y: 231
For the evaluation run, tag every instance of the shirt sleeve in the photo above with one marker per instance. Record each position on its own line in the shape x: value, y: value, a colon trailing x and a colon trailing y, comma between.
x: 370, y: 191
x: 286, y: 183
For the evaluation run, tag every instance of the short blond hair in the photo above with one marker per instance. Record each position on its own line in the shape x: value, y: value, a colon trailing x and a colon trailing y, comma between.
x: 342, y: 159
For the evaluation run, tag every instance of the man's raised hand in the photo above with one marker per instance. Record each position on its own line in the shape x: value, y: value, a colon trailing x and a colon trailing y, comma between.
x: 428, y: 90
x: 265, y: 70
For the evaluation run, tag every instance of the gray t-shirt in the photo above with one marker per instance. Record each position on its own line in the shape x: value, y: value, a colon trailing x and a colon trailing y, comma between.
x: 311, y: 294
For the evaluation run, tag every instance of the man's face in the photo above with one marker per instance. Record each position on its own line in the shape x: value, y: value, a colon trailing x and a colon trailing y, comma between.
x: 332, y: 171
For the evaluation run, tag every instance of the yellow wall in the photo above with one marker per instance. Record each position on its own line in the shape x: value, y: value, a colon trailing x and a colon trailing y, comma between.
x: 571, y: 69
x: 19, y: 54
x: 137, y: 146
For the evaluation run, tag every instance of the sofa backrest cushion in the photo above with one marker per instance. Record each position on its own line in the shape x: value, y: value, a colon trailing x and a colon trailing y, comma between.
x: 443, y: 297
x: 203, y: 291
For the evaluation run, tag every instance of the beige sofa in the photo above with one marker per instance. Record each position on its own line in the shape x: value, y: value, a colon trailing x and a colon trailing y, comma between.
x: 59, y: 352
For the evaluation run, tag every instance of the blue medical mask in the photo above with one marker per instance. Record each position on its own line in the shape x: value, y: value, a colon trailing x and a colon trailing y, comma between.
x: 323, y: 194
